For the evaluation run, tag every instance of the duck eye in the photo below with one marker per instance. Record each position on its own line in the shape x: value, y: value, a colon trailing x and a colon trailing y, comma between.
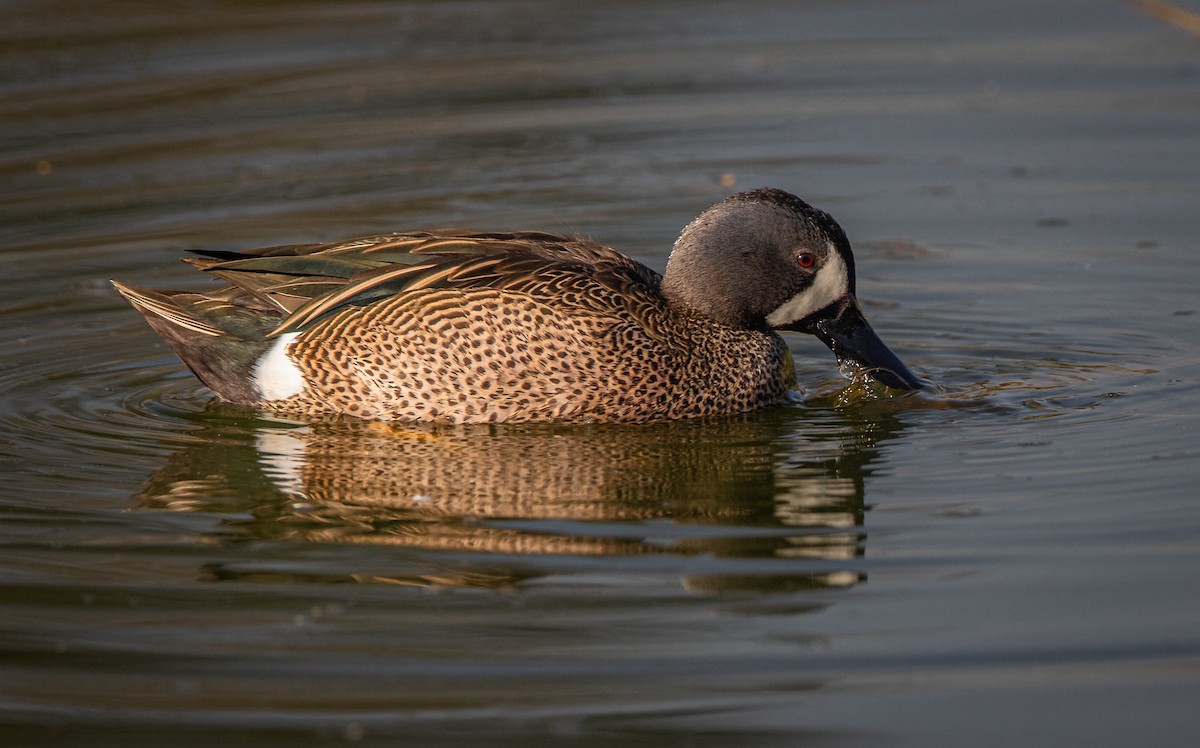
x: 806, y: 259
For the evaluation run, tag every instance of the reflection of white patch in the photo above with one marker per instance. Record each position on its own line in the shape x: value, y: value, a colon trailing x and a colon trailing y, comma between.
x: 282, y: 456
x: 275, y: 376
x: 811, y: 501
x: 832, y: 283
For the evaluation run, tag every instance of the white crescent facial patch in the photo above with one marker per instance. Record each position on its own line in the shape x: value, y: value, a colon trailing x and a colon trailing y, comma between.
x: 832, y: 283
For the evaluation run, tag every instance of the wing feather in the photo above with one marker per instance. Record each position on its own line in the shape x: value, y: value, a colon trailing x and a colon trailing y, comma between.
x: 301, y: 284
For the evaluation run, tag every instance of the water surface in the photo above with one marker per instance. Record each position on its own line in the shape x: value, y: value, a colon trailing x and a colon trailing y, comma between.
x: 1011, y: 558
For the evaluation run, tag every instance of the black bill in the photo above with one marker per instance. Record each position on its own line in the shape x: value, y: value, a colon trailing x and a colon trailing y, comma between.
x: 851, y: 338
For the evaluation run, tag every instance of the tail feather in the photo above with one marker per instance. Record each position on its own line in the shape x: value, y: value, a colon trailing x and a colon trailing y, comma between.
x: 160, y: 305
x: 221, y: 350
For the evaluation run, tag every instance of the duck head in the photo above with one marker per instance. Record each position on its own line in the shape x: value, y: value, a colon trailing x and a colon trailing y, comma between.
x: 765, y: 259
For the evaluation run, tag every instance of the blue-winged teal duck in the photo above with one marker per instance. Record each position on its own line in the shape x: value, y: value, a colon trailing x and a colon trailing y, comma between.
x: 526, y: 326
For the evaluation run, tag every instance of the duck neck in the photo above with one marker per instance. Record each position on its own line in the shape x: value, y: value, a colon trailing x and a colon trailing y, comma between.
x: 715, y: 307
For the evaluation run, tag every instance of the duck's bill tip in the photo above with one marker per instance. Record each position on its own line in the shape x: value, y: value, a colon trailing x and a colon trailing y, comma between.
x: 853, y: 341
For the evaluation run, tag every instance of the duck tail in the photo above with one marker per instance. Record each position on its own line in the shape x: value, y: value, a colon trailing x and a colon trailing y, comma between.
x: 221, y: 348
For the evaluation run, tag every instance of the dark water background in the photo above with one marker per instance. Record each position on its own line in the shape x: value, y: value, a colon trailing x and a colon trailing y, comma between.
x: 1014, y: 561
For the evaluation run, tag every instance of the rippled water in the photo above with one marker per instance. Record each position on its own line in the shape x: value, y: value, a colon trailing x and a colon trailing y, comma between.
x: 1012, y: 558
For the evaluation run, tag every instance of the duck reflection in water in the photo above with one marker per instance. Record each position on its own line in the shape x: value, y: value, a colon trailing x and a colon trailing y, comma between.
x: 497, y: 505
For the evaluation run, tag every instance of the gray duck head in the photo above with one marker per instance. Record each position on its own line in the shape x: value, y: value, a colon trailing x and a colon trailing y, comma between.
x: 765, y: 259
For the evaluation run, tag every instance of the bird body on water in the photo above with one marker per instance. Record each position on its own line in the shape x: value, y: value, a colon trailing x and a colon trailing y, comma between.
x: 526, y: 326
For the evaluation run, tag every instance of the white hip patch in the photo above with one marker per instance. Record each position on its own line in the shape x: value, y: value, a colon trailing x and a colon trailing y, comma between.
x: 275, y: 375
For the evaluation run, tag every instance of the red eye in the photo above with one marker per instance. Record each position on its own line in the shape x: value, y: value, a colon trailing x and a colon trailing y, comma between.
x: 806, y: 260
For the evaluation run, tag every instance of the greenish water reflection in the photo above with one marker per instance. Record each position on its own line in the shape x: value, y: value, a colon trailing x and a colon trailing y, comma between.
x: 762, y: 486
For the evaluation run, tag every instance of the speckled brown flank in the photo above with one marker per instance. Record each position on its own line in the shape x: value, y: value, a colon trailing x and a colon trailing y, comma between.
x: 484, y: 355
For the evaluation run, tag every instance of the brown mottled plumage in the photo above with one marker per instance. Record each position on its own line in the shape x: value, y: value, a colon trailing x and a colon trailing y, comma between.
x: 525, y: 326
